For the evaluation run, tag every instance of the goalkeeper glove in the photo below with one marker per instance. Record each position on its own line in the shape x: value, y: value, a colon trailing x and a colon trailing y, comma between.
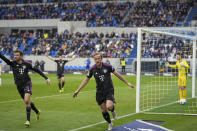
x: 182, y: 64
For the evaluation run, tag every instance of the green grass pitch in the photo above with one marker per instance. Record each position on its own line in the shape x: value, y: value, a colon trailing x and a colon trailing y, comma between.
x: 60, y: 112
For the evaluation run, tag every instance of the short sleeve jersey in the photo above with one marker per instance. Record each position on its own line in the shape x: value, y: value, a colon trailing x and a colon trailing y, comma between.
x: 60, y: 66
x: 102, y: 76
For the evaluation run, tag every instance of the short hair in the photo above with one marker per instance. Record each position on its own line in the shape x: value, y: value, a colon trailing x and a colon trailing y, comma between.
x: 179, y: 53
x: 19, y: 51
x: 98, y: 53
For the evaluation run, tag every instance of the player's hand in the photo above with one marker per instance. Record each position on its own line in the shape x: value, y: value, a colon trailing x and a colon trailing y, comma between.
x: 167, y: 64
x: 182, y: 64
x: 75, y: 94
x: 48, y: 81
x: 130, y: 85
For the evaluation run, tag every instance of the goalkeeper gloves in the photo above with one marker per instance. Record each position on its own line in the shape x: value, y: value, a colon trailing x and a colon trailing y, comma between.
x: 182, y: 64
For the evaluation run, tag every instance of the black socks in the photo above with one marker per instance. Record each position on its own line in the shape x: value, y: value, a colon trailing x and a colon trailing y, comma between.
x: 106, y: 117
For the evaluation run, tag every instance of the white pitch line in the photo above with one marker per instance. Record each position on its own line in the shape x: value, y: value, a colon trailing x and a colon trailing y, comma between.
x: 41, y: 97
x: 98, y: 123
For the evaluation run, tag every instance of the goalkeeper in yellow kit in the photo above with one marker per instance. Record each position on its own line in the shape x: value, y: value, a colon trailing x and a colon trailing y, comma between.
x: 182, y: 67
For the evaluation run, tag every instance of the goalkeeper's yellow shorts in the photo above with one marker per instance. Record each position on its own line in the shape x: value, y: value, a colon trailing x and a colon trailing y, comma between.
x: 182, y: 82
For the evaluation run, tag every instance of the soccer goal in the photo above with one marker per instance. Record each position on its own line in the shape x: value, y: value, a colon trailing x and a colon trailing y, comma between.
x: 157, y: 82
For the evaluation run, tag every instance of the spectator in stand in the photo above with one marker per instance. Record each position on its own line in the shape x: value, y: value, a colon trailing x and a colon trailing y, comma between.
x: 84, y: 44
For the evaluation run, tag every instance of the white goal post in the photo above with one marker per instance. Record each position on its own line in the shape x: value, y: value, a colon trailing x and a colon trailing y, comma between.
x: 162, y: 97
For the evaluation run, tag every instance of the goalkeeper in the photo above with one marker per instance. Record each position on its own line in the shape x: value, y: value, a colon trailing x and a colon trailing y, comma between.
x: 182, y: 67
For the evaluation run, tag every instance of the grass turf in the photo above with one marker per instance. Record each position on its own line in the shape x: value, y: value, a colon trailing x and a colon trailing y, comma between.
x: 63, y: 113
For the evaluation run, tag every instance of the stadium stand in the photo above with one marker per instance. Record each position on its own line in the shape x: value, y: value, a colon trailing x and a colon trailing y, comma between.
x: 44, y: 1
x: 38, y: 43
x: 157, y: 47
x: 163, y: 13
x: 99, y: 14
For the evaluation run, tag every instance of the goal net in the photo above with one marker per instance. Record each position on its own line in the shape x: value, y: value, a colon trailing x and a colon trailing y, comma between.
x: 165, y: 84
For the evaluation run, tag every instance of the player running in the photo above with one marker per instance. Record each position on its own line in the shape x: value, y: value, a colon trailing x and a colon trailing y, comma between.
x: 105, y: 89
x: 60, y: 70
x: 182, y: 67
x: 23, y: 82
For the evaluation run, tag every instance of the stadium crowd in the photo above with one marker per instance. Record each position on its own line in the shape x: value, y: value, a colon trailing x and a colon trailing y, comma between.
x: 157, y: 46
x: 165, y: 13
x: 84, y: 44
x: 127, y: 14
x: 45, y: 1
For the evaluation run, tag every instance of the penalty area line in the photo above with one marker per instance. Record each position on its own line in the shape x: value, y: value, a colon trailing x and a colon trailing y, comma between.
x: 98, y: 123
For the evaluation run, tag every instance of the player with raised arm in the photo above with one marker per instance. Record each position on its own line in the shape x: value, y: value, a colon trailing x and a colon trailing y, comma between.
x: 105, y: 89
x: 23, y: 82
x: 182, y: 67
x: 60, y: 70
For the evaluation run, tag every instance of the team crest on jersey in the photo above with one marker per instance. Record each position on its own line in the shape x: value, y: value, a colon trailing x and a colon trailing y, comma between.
x: 105, y: 71
x: 24, y: 66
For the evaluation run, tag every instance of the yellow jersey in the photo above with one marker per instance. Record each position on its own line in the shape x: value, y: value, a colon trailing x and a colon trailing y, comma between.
x: 123, y: 62
x: 183, y: 70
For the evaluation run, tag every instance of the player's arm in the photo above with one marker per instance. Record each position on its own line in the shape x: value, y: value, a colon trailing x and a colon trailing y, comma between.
x: 122, y: 79
x: 83, y: 84
x: 41, y: 73
x: 50, y: 58
x: 6, y: 60
x: 74, y: 57
x: 171, y: 66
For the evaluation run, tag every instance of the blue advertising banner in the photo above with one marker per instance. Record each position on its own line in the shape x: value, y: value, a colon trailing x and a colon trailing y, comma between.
x: 140, y: 125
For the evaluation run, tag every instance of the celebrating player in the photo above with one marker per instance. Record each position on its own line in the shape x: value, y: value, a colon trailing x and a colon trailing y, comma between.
x: 105, y: 89
x: 23, y: 81
x: 60, y: 70
x: 182, y: 67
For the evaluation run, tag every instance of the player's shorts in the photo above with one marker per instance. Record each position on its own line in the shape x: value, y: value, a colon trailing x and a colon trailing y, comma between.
x: 59, y: 76
x: 102, y: 96
x: 26, y: 88
x: 182, y: 82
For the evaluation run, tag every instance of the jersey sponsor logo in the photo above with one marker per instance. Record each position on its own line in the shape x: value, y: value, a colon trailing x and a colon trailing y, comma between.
x: 21, y: 71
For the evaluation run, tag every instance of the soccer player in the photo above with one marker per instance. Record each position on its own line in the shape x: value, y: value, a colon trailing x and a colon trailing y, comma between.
x: 88, y: 62
x: 60, y: 70
x: 105, y: 89
x: 23, y: 82
x: 182, y: 67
